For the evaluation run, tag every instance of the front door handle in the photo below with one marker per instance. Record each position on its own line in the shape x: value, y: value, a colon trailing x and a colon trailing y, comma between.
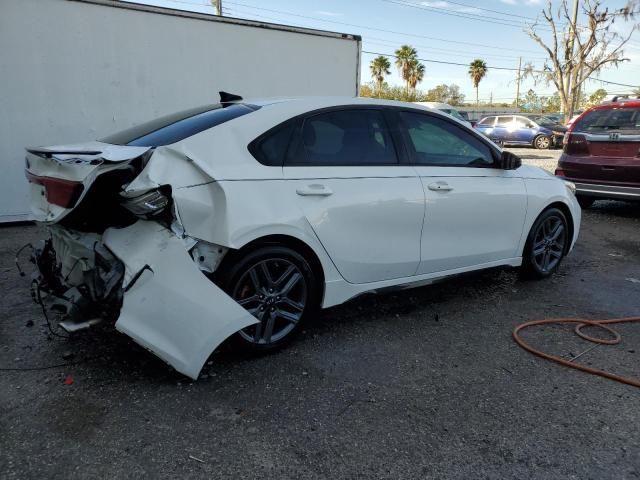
x: 440, y: 186
x: 314, y: 189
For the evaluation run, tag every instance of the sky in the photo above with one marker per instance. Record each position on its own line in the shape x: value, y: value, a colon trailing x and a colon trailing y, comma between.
x: 442, y: 31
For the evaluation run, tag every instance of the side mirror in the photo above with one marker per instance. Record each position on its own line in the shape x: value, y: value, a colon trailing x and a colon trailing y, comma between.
x: 509, y: 161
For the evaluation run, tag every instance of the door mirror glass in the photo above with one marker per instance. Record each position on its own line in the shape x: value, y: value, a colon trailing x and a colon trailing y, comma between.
x: 509, y: 161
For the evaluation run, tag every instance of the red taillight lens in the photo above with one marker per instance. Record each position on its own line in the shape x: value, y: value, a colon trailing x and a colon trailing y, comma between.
x: 575, y: 144
x: 560, y: 172
x: 64, y: 193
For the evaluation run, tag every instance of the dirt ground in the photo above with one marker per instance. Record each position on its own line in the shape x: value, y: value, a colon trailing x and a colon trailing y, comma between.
x: 426, y: 383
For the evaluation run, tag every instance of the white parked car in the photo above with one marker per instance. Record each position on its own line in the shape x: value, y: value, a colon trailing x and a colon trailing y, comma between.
x: 242, y: 218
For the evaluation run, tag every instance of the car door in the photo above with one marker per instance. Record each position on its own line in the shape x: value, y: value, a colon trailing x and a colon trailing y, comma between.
x: 503, y: 129
x: 485, y: 126
x: 474, y: 212
x: 366, y: 208
x: 522, y: 131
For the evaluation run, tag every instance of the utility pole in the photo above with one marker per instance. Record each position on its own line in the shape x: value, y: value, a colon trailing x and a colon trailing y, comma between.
x: 573, y: 32
x: 518, y: 83
x: 217, y: 6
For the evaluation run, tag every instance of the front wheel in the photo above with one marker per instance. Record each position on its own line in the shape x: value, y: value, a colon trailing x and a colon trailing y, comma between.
x: 542, y: 142
x: 546, y: 245
x: 278, y: 287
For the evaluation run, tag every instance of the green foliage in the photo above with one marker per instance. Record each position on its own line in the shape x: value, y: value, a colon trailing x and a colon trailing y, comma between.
x: 379, y: 69
x: 394, y: 92
x: 446, y: 94
x: 477, y: 71
x: 406, y: 60
x: 596, y: 97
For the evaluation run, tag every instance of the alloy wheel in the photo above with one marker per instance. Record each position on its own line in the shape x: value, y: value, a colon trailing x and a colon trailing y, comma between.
x: 543, y: 143
x: 275, y: 292
x: 549, y: 243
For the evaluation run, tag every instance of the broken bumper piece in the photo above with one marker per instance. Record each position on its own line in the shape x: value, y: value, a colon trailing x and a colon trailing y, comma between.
x: 169, y: 306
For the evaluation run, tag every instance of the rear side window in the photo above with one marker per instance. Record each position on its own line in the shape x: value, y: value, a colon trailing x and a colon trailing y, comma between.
x: 627, y: 119
x: 487, y: 122
x: 346, y: 137
x: 178, y: 126
x: 438, y: 142
x: 504, y: 121
x: 522, y: 122
x: 271, y: 149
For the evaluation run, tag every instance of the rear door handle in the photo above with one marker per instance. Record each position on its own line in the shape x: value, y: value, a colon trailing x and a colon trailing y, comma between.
x: 440, y: 186
x: 315, y: 189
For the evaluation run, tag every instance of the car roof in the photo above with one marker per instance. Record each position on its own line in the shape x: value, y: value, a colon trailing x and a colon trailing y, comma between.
x: 622, y: 103
x: 276, y: 110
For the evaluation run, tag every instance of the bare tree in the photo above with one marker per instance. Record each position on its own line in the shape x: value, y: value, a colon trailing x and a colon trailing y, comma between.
x: 578, y: 51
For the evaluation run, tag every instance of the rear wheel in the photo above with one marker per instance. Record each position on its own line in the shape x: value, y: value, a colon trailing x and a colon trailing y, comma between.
x: 546, y: 245
x: 542, y: 142
x: 278, y: 287
x: 585, y: 202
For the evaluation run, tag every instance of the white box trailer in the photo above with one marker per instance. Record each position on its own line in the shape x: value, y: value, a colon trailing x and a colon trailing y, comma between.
x: 77, y: 70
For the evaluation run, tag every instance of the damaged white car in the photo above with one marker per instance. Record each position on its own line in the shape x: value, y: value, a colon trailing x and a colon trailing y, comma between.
x: 243, y: 218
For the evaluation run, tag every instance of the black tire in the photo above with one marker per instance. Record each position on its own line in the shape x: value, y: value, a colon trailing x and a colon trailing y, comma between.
x: 540, y: 245
x: 542, y: 142
x: 585, y: 202
x: 268, y: 302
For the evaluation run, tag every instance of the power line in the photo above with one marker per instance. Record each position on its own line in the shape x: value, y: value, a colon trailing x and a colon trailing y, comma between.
x: 489, y: 10
x: 415, y: 35
x: 389, y: 43
x: 491, y: 68
x: 437, y: 61
x: 470, y: 16
x: 395, y: 33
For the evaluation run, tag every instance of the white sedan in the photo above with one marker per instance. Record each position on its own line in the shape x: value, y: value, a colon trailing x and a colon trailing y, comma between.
x: 241, y: 219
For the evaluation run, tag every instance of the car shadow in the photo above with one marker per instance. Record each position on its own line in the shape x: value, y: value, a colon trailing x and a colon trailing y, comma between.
x: 614, y: 208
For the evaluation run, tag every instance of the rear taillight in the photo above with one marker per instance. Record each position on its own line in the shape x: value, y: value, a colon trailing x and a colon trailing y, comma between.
x: 61, y: 192
x: 575, y: 144
x: 560, y: 172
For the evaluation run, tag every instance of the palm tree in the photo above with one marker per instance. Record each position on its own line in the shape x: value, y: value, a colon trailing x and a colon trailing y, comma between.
x: 477, y: 71
x: 379, y: 68
x: 416, y: 74
x: 405, y: 55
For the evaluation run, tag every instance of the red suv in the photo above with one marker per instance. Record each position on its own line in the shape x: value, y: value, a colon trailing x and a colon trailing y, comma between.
x: 602, y: 152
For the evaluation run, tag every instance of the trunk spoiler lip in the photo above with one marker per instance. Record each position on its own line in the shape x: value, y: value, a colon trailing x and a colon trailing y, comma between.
x: 50, y: 152
x: 97, y: 150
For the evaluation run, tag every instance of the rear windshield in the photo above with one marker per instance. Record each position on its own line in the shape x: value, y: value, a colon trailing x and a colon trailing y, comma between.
x: 178, y: 126
x: 627, y: 119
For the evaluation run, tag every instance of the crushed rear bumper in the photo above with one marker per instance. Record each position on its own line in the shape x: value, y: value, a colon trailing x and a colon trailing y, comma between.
x: 142, y: 274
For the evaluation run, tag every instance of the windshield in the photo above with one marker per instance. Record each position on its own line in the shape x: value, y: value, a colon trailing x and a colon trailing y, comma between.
x: 177, y: 126
x: 544, y: 121
x: 610, y: 119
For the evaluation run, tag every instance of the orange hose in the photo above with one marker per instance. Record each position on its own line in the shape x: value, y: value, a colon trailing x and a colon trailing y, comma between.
x: 580, y: 323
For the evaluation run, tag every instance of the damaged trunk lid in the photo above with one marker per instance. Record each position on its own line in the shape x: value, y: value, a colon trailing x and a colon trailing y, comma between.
x: 60, y: 176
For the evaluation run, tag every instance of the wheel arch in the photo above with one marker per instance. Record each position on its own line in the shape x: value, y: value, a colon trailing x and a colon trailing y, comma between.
x: 289, y: 241
x: 564, y: 208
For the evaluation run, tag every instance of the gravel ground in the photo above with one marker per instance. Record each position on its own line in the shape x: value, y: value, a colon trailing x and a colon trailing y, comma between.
x: 547, y: 159
x: 426, y: 383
